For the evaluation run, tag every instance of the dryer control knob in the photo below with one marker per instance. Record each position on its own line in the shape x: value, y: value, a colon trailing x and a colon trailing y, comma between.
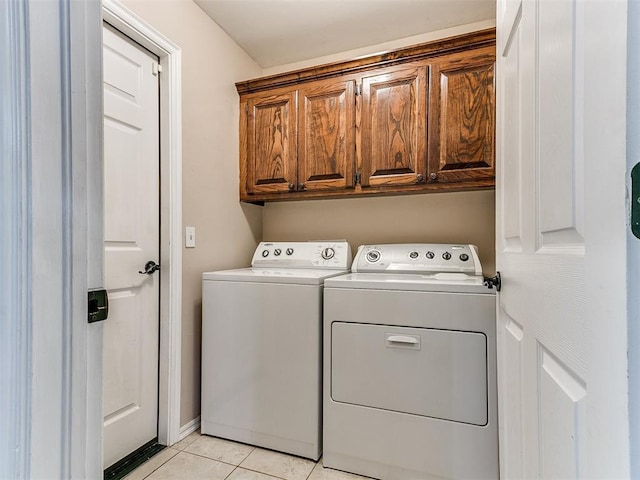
x: 328, y: 253
x: 289, y: 251
x: 277, y: 252
x: 446, y: 256
x: 265, y: 253
x: 373, y: 256
x: 464, y: 257
x: 430, y: 255
x: 414, y: 255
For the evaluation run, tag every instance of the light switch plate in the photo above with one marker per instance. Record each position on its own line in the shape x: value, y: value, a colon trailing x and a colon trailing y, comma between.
x: 190, y: 237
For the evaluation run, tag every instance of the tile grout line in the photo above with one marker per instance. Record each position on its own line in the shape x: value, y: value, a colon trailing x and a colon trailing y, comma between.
x: 231, y: 472
x: 233, y: 465
x: 163, y: 463
x: 220, y: 461
x: 261, y: 473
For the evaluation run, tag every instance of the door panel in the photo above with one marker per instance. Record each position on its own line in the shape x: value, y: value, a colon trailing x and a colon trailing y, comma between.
x: 562, y: 416
x: 131, y: 173
x: 326, y: 140
x: 461, y: 120
x: 272, y: 143
x: 560, y: 133
x: 393, y: 128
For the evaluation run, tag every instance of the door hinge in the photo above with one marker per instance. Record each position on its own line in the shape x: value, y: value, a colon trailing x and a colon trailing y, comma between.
x: 358, y: 90
x: 156, y: 68
x: 357, y: 177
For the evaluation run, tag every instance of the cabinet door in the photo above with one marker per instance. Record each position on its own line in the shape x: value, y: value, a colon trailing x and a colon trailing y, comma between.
x: 462, y: 118
x: 271, y: 143
x: 393, y: 127
x: 326, y: 135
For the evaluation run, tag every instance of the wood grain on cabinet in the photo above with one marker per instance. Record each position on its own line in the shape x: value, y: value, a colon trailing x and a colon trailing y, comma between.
x: 419, y: 119
x: 326, y: 135
x: 271, y: 143
x: 393, y: 127
x: 462, y: 118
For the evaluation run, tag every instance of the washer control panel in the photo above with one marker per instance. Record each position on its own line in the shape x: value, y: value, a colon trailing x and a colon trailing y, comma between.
x: 425, y: 258
x: 333, y: 255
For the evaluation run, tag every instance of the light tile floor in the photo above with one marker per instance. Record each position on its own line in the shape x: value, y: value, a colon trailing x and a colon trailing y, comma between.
x: 203, y: 457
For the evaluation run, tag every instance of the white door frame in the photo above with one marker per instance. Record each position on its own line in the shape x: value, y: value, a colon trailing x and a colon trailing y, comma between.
x: 170, y: 55
x: 50, y: 185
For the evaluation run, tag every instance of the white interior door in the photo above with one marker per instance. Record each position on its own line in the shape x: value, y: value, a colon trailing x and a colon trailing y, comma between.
x: 131, y: 172
x: 560, y: 239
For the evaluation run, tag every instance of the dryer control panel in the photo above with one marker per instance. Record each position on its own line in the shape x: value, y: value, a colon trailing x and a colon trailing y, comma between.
x: 427, y: 258
x: 331, y: 255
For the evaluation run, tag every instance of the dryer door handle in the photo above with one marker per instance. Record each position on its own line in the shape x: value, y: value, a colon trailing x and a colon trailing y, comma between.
x: 402, y: 339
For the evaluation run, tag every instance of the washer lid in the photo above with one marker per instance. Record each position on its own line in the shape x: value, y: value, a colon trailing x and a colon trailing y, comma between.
x: 299, y: 276
x: 438, y: 282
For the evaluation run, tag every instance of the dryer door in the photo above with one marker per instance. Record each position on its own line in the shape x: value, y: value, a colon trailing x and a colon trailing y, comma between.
x: 421, y: 371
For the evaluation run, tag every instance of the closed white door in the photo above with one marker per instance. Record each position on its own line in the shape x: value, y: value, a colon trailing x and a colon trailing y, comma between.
x: 560, y: 240
x: 131, y: 172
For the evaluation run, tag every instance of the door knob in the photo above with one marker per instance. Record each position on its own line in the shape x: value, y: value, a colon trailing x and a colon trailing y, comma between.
x: 149, y: 268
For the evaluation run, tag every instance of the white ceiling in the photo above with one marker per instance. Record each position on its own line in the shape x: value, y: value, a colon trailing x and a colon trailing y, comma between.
x: 277, y: 32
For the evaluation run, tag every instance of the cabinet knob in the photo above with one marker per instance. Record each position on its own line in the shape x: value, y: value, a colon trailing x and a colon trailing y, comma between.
x: 433, y: 176
x: 301, y: 186
x: 419, y: 178
x: 291, y: 187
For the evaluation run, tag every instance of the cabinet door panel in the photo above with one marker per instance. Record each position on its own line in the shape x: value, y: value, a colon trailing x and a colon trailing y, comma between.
x: 393, y: 128
x: 326, y: 143
x: 462, y: 121
x: 271, y: 143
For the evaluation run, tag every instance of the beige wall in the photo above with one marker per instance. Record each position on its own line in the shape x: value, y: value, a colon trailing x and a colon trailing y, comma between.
x: 464, y: 217
x: 226, y: 231
x: 382, y: 47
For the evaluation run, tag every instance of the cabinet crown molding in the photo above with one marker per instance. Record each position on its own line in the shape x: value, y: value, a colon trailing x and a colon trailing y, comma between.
x: 422, y: 51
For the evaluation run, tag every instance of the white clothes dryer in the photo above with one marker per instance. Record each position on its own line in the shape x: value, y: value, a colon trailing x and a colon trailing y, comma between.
x: 262, y: 346
x: 410, y: 365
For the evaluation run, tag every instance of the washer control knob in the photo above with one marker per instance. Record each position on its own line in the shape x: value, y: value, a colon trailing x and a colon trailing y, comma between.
x: 414, y: 255
x: 328, y: 253
x: 373, y: 256
x: 464, y: 257
x: 289, y: 251
x: 265, y: 253
x: 446, y: 256
x: 430, y: 255
x: 277, y: 252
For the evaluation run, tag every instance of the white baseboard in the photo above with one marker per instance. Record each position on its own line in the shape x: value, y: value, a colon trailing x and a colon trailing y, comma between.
x: 189, y: 428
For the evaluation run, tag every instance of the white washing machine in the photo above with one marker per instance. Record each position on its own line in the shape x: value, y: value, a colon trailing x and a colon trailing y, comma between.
x: 410, y: 365
x: 262, y: 346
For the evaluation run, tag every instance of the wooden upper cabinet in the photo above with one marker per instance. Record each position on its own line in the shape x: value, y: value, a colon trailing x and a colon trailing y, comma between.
x: 462, y: 118
x: 393, y: 133
x: 326, y: 135
x: 419, y: 119
x: 271, y: 143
